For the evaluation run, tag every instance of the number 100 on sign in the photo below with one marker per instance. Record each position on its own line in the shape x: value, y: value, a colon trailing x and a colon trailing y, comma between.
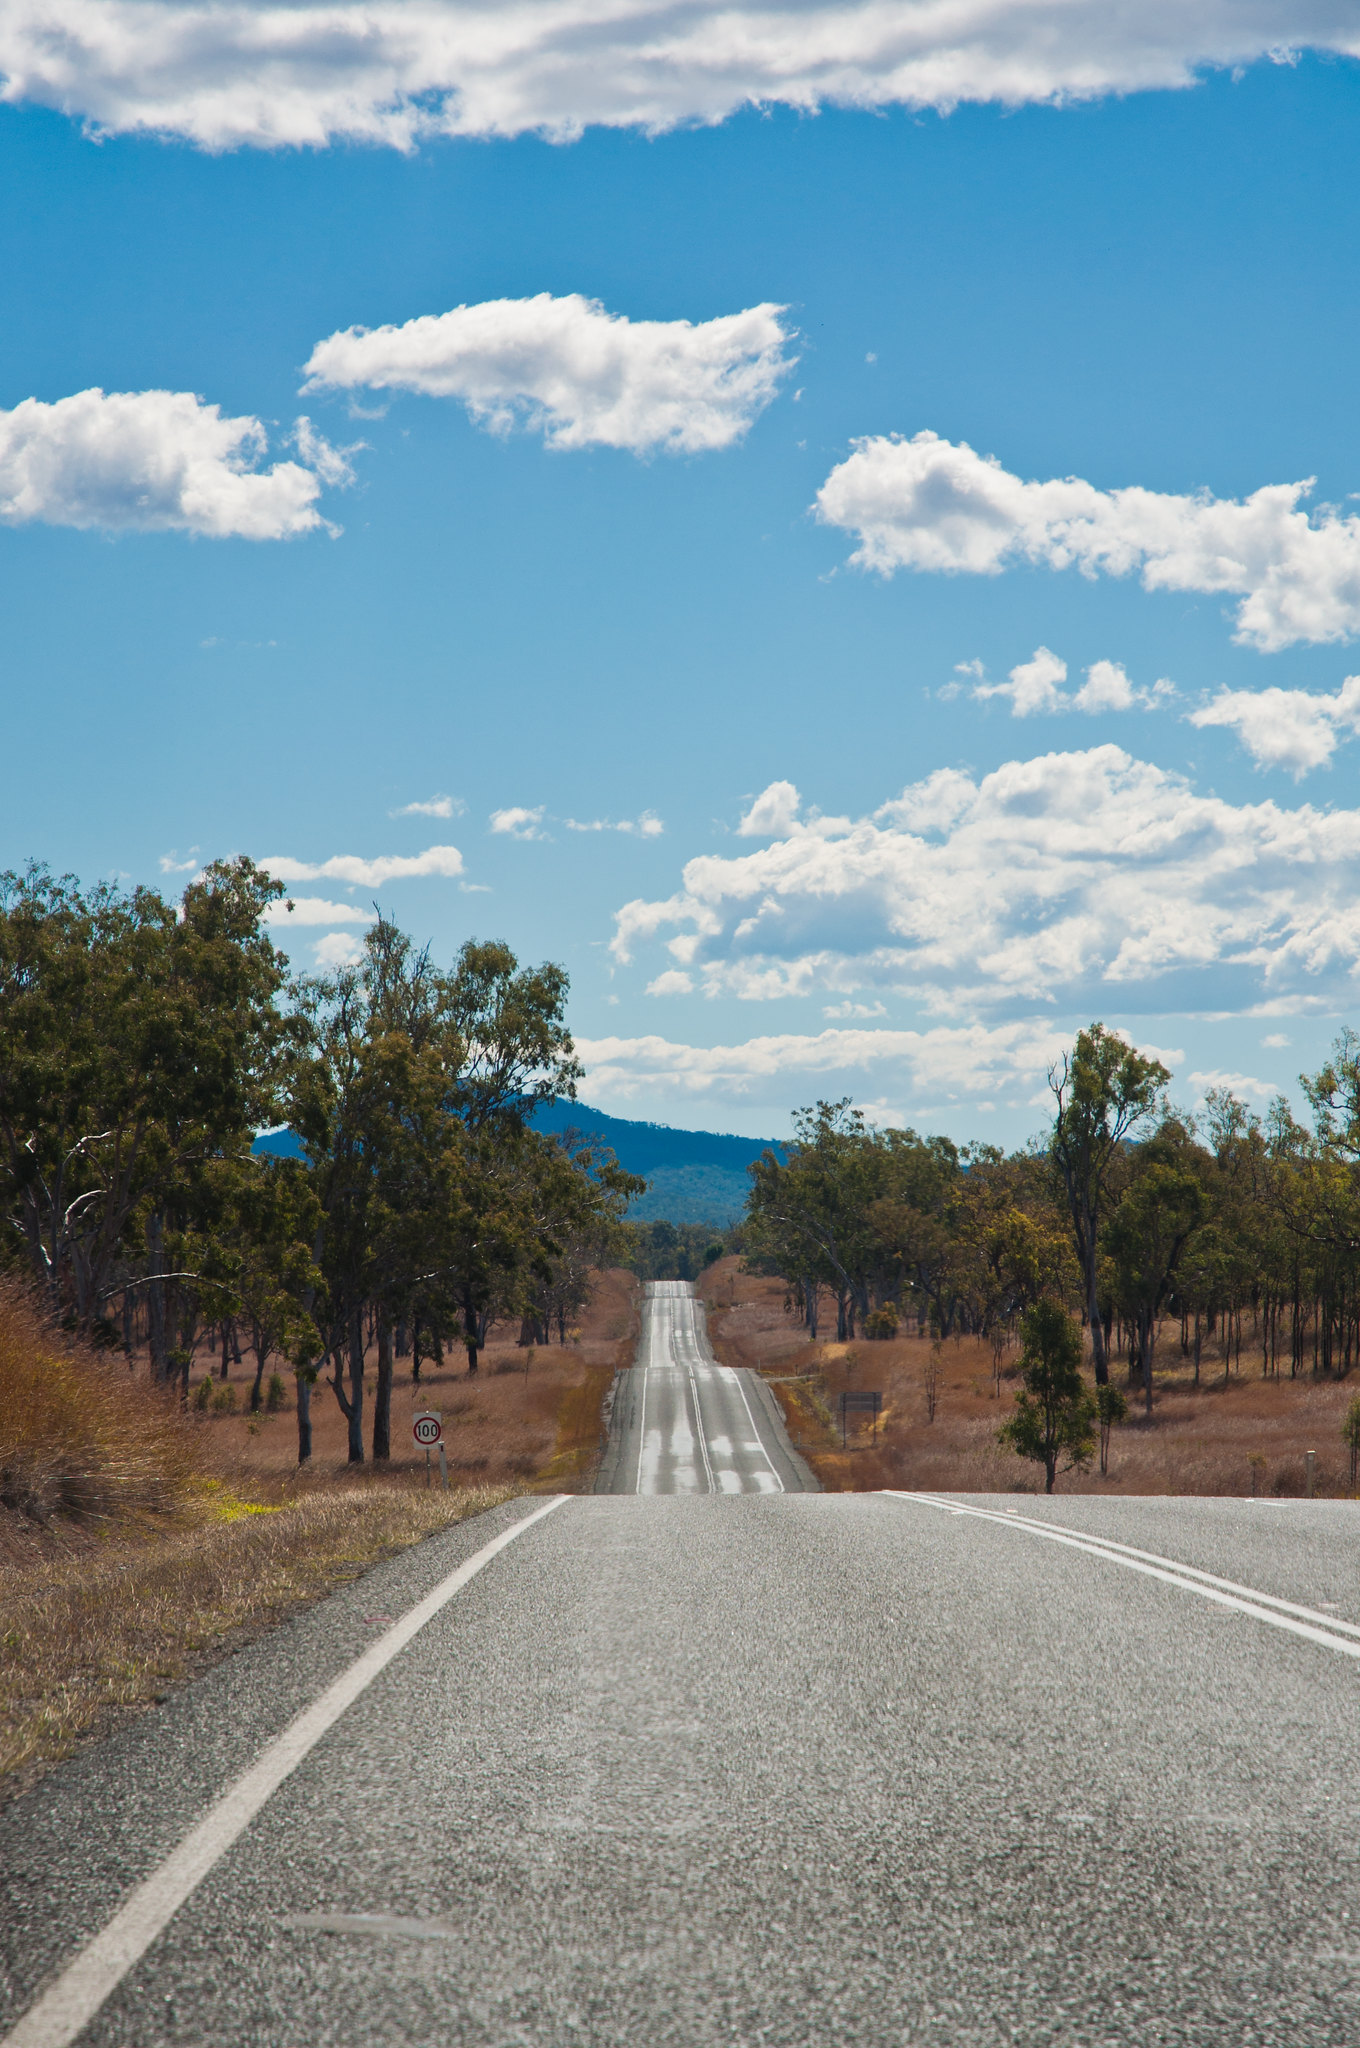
x: 428, y: 1430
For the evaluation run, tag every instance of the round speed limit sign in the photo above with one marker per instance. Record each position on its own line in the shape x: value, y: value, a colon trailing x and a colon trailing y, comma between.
x: 428, y: 1430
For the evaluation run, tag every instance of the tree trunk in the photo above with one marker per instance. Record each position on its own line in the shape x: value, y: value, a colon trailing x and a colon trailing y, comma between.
x: 355, y: 1417
x: 304, y: 1414
x: 382, y: 1399
x: 155, y: 1297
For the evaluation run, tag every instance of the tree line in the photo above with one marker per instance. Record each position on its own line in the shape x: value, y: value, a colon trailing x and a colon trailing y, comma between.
x: 144, y: 1044
x: 1238, y: 1231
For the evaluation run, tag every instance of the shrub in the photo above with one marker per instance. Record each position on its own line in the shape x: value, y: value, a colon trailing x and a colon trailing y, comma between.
x: 79, y: 1436
x: 275, y: 1393
x: 881, y: 1323
x: 224, y: 1400
x: 203, y: 1393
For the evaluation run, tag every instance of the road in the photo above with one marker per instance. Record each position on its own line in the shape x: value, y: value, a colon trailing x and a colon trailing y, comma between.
x: 685, y: 1424
x: 779, y: 1769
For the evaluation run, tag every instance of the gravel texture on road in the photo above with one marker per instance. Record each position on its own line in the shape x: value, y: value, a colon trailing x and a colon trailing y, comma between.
x: 780, y: 1769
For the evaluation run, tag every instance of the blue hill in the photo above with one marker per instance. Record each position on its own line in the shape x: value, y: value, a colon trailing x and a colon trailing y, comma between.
x: 695, y: 1176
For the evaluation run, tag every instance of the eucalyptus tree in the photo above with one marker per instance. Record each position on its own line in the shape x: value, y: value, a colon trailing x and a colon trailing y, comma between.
x: 139, y: 1041
x: 1105, y: 1093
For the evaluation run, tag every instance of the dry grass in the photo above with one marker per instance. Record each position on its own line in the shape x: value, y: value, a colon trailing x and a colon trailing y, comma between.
x: 1229, y: 1435
x: 76, y: 1438
x: 139, y: 1542
x: 85, y: 1635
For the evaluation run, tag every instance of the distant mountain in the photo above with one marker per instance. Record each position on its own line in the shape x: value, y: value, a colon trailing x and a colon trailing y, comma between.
x: 696, y: 1176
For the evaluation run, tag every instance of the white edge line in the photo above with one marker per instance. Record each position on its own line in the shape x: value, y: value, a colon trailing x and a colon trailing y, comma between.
x: 1174, y: 1577
x: 98, y: 1968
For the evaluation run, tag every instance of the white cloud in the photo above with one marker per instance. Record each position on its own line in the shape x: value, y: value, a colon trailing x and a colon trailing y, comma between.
x: 1275, y: 1040
x: 156, y: 461
x: 337, y: 949
x: 392, y: 71
x: 1293, y: 729
x: 433, y: 807
x: 1032, y: 686
x: 674, y: 982
x: 171, y: 864
x: 581, y: 376
x: 515, y: 822
x: 316, y: 910
x: 1086, y: 878
x: 948, y: 1060
x: 773, y: 814
x: 1235, y: 1084
x: 645, y: 826
x: 366, y: 874
x: 937, y: 505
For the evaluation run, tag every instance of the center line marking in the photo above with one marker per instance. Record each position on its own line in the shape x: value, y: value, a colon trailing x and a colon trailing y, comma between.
x: 1299, y: 1621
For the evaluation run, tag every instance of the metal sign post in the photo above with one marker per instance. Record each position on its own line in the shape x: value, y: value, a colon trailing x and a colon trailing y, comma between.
x: 860, y: 1404
x: 427, y: 1428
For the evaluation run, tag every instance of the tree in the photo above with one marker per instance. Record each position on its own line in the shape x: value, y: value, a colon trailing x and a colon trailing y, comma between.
x: 138, y: 1044
x: 1104, y: 1091
x: 1350, y: 1436
x: 1111, y: 1407
x: 1164, y: 1206
x: 1054, y: 1409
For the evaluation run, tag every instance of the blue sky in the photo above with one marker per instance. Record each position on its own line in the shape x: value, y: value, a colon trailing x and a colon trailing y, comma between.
x: 1150, y: 291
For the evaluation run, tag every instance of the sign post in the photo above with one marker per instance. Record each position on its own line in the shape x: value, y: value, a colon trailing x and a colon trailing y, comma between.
x: 427, y: 1428
x: 860, y: 1404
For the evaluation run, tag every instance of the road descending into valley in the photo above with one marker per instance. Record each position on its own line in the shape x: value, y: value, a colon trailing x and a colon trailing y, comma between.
x: 685, y: 1424
x: 761, y: 1768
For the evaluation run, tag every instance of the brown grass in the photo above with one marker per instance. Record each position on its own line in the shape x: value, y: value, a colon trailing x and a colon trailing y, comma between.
x: 1222, y: 1437
x: 76, y: 1439
x: 138, y: 1542
x: 85, y: 1635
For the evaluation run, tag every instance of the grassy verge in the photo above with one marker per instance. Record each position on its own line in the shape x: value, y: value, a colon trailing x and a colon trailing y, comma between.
x: 107, y: 1629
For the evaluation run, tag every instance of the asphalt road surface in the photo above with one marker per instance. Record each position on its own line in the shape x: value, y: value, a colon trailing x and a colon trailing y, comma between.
x: 774, y: 1768
x: 683, y: 1423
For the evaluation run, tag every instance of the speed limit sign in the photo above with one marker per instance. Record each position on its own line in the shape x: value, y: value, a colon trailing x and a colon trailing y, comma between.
x: 428, y: 1429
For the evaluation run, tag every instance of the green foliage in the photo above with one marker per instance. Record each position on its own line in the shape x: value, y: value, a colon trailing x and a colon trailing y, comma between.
x: 1055, y: 1408
x: 276, y: 1393
x: 673, y: 1251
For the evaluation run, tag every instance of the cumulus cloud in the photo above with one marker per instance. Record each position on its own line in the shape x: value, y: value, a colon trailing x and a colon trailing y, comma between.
x: 432, y: 807
x: 1231, y: 1083
x: 393, y: 71
x: 1293, y: 729
x: 157, y: 461
x: 1033, y: 687
x: 929, y: 504
x: 1086, y: 878
x: 581, y: 376
x: 366, y: 874
x: 337, y: 949
x: 948, y: 1060
x: 645, y: 826
x: 171, y: 864
x: 773, y: 814
x: 316, y: 910
x: 515, y: 822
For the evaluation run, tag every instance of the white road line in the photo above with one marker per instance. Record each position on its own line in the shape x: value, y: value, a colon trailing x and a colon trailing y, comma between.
x: 76, y: 1996
x: 779, y: 1486
x: 1242, y: 1600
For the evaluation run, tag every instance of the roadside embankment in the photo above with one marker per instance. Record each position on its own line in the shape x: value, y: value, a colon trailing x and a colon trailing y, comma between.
x: 140, y: 1541
x: 1233, y: 1432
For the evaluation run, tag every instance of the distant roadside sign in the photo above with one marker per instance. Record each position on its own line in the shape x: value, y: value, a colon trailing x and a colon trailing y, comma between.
x: 865, y: 1403
x: 428, y: 1429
